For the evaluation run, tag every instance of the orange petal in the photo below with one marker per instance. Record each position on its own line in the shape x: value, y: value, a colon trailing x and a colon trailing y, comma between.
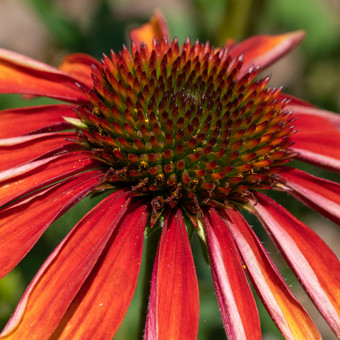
x: 263, y: 50
x: 289, y: 316
x: 100, y: 306
x: 78, y: 65
x: 23, y: 75
x: 48, y: 296
x: 236, y: 301
x: 22, y: 223
x: 174, y: 303
x: 44, y: 118
x: 155, y: 28
x: 316, y: 266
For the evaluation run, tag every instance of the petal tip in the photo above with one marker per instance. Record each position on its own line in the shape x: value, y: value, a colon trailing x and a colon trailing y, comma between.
x: 157, y: 28
x: 295, y: 37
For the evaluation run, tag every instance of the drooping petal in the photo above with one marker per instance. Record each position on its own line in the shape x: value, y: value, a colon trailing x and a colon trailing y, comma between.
x: 236, y: 301
x: 263, y: 50
x: 317, y: 193
x: 78, y: 65
x: 19, y: 150
x: 315, y: 265
x: 320, y: 148
x: 52, y: 290
x: 155, y: 28
x: 45, y: 118
x: 174, y: 303
x: 100, y: 306
x: 23, y: 75
x: 310, y: 112
x: 289, y: 316
x: 22, y: 223
x: 39, y: 173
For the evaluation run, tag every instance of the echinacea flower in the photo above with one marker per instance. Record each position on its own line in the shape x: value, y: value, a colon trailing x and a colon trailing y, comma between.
x: 180, y: 139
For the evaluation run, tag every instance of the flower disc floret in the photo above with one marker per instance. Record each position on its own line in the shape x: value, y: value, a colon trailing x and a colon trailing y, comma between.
x: 184, y: 125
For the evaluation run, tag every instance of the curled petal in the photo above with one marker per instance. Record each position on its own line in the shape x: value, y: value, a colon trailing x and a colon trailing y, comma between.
x: 174, y: 303
x: 236, y: 301
x: 52, y: 290
x: 19, y: 150
x: 263, y: 50
x: 155, y: 28
x: 78, y: 65
x: 38, y: 211
x: 101, y: 303
x: 35, y: 119
x: 23, y: 75
x: 317, y: 193
x: 320, y: 148
x: 312, y: 261
x: 34, y: 175
x: 289, y: 316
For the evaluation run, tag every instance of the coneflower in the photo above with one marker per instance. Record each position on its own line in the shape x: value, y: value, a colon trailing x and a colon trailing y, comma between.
x: 181, y: 138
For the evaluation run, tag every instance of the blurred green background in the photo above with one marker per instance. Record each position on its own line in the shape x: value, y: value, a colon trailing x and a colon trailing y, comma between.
x: 49, y: 29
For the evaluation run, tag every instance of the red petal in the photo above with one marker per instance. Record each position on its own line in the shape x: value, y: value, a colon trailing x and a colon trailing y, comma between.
x: 21, y: 169
x: 290, y: 317
x: 293, y: 100
x: 42, y: 173
x: 46, y: 118
x: 22, y: 223
x: 320, y: 148
x: 317, y: 193
x: 236, y: 301
x: 304, y: 108
x: 21, y: 74
x: 100, y: 306
x: 174, y: 302
x: 19, y: 150
x: 313, y: 262
x: 48, y: 296
x: 309, y: 122
x: 155, y: 28
x: 263, y: 50
x: 327, y: 118
x: 78, y: 65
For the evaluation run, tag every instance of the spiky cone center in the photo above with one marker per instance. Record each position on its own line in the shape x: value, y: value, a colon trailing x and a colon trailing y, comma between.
x: 181, y: 125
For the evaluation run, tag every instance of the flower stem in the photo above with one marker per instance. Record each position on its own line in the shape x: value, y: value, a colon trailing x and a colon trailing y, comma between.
x: 151, y: 250
x: 238, y: 19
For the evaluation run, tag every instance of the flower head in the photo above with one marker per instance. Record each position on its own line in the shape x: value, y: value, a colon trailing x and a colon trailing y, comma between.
x: 166, y: 131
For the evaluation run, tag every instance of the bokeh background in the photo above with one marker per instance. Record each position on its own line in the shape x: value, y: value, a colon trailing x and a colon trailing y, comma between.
x: 49, y: 29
